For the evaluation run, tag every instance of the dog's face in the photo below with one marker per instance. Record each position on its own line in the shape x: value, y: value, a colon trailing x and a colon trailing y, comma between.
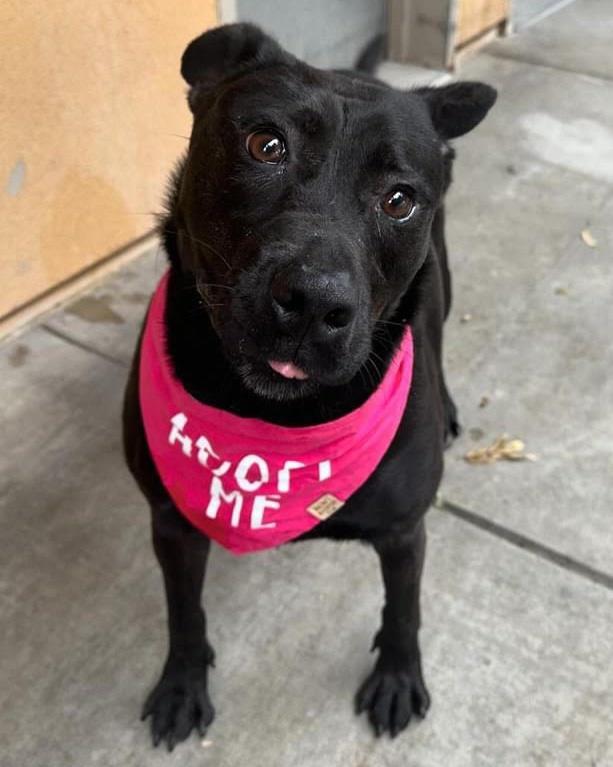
x: 305, y: 204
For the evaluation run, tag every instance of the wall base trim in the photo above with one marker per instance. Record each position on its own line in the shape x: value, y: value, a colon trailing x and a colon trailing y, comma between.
x: 27, y: 314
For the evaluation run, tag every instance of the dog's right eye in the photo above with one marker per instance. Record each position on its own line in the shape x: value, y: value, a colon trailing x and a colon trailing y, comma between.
x: 265, y: 146
x: 399, y: 203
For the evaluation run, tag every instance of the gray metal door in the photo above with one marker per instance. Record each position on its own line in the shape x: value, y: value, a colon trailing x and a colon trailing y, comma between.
x: 326, y: 33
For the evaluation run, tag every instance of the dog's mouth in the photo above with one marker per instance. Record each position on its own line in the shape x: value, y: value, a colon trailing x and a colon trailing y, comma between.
x: 288, y: 370
x: 276, y: 379
x: 281, y: 372
x: 266, y: 367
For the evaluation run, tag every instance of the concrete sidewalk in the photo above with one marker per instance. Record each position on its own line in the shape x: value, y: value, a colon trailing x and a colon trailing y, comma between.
x: 518, y: 594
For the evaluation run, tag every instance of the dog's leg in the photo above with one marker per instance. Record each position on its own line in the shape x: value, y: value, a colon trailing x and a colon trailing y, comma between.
x: 180, y: 702
x: 395, y: 690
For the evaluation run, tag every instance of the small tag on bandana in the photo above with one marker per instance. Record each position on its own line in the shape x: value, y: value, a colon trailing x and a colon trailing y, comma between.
x: 325, y: 506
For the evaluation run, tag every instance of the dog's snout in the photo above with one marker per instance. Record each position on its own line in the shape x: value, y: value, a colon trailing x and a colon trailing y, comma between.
x: 324, y: 299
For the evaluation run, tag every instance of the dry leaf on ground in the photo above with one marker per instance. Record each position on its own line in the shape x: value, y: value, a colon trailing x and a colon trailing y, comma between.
x: 588, y: 238
x: 502, y: 449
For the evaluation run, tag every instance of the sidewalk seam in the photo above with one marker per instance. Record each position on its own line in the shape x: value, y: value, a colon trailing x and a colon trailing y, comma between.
x: 521, y: 59
x: 81, y: 345
x: 528, y: 544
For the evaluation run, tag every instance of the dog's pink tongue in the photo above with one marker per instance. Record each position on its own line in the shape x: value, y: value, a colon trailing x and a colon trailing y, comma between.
x: 288, y: 370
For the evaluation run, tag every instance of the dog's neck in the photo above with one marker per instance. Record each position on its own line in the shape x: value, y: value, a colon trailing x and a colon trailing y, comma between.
x: 200, y: 364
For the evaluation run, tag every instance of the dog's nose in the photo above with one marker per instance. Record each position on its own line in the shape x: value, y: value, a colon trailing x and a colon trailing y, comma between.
x: 324, y: 300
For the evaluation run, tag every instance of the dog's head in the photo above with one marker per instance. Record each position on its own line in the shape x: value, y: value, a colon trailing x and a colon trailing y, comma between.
x: 304, y: 206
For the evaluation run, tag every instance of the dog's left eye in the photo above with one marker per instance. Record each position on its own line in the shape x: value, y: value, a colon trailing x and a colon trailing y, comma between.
x: 265, y: 146
x: 398, y: 203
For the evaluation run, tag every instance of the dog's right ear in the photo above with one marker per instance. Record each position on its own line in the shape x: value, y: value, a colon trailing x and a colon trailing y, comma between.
x: 226, y: 51
x: 458, y: 107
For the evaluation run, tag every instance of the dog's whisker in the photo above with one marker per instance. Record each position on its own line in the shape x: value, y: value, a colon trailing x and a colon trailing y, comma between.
x: 365, y: 369
x: 207, y: 247
x: 374, y: 356
x: 215, y: 285
x: 373, y: 364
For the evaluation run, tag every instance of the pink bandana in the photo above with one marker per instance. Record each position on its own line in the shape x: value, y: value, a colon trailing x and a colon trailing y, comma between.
x: 250, y: 484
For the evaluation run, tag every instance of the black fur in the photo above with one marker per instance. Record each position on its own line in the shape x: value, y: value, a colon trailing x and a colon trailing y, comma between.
x: 233, y: 226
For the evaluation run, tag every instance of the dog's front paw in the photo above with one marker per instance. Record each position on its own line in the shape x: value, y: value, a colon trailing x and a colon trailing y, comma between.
x: 178, y: 704
x: 392, y: 697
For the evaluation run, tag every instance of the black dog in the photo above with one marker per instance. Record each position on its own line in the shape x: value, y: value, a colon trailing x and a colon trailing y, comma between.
x: 306, y: 224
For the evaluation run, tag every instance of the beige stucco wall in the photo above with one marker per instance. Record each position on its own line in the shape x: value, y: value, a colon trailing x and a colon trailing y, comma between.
x: 91, y: 99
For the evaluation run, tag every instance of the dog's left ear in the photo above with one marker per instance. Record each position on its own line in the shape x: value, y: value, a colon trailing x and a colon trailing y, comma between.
x: 459, y: 107
x: 224, y: 52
